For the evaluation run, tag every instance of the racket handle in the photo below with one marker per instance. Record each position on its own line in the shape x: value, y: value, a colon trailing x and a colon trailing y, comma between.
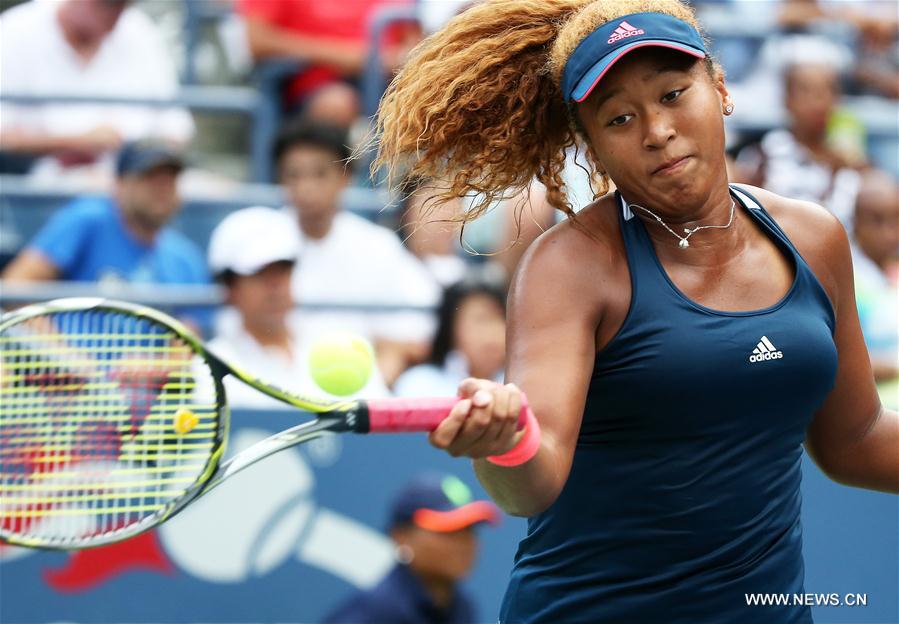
x: 393, y: 415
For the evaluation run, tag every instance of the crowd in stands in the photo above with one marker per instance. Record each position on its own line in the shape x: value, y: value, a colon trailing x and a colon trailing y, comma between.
x: 89, y: 48
x: 427, y: 293
x: 330, y: 39
x: 470, y: 340
x: 254, y: 253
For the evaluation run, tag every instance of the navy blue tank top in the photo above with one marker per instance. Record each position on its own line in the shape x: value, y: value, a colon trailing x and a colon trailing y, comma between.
x: 684, y: 491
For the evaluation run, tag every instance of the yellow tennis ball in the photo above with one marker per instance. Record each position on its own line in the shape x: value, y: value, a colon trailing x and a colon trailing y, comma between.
x: 185, y: 420
x: 341, y: 363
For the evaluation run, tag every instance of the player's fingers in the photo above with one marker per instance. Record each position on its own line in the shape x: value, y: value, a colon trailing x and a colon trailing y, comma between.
x: 501, y: 406
x: 447, y: 431
x: 470, y: 385
x: 515, y: 402
x: 482, y: 403
x: 503, y: 432
x: 489, y: 441
x: 508, y: 434
x: 505, y: 404
x: 475, y: 424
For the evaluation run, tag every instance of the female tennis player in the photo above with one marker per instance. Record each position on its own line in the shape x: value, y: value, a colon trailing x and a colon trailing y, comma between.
x: 678, y: 340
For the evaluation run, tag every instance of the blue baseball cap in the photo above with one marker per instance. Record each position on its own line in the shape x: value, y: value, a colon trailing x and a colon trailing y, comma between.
x: 138, y: 157
x: 440, y: 503
x: 602, y: 48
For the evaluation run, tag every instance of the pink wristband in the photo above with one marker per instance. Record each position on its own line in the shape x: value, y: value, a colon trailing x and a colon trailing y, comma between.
x: 526, y: 448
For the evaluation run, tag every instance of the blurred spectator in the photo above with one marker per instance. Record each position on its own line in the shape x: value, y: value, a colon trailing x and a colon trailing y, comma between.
x: 875, y: 253
x: 120, y: 238
x: 801, y: 161
x: 876, y: 26
x: 432, y: 523
x: 330, y: 38
x: 88, y: 48
x: 345, y: 258
x: 502, y: 235
x: 434, y: 14
x: 253, y: 252
x: 470, y: 341
x: 877, y: 69
x: 526, y: 216
x: 869, y: 15
x: 429, y: 232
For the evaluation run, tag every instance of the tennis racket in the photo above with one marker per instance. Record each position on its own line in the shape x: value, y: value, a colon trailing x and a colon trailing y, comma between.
x: 113, y: 418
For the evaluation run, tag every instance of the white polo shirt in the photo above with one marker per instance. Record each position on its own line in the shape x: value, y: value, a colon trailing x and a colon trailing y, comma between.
x: 361, y: 263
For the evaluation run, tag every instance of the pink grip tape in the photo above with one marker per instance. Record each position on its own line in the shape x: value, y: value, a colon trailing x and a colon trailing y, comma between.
x: 526, y: 448
x: 417, y: 414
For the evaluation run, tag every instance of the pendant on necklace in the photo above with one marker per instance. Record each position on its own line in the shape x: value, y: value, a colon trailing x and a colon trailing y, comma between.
x: 684, y: 243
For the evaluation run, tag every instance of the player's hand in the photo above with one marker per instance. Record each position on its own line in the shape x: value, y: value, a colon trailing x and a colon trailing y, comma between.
x: 484, y: 422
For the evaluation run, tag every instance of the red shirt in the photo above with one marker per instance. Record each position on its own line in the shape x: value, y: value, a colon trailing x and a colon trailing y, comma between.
x: 332, y: 19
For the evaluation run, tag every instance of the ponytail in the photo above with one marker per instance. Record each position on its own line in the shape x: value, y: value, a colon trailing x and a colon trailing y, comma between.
x: 476, y: 106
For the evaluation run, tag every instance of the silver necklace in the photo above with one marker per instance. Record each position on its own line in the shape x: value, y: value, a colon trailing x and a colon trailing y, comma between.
x: 684, y: 240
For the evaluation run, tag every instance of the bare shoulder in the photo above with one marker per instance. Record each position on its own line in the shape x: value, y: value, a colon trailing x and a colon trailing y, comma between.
x: 575, y: 251
x: 571, y: 261
x: 815, y: 232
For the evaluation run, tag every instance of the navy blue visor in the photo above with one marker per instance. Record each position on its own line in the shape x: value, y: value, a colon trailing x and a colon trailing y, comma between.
x: 602, y: 48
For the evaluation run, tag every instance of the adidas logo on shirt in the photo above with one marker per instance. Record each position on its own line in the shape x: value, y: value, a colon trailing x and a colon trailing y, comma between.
x: 624, y: 31
x: 765, y: 351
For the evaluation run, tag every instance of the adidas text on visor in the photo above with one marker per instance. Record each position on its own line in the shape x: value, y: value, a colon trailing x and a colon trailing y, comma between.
x: 602, y: 48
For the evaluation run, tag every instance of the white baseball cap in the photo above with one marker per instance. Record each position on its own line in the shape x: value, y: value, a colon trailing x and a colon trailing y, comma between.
x: 249, y: 239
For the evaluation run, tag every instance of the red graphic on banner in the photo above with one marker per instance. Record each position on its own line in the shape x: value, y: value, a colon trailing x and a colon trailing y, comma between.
x: 87, y: 569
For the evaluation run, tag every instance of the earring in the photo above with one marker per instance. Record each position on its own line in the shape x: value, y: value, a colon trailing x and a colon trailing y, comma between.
x: 728, y: 109
x: 404, y: 554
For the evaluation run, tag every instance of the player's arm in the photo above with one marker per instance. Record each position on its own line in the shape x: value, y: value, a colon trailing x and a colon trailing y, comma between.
x: 552, y: 320
x: 852, y: 438
x: 30, y: 266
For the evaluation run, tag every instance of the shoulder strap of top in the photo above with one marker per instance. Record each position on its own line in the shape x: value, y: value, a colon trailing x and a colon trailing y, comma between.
x: 636, y: 243
x: 646, y: 274
x: 804, y: 271
x: 752, y: 204
x: 747, y: 200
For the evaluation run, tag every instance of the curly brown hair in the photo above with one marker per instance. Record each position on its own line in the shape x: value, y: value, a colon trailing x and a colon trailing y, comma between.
x: 479, y: 103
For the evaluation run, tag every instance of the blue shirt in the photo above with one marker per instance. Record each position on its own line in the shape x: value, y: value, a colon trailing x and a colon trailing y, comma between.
x: 683, y: 495
x: 87, y: 241
x: 400, y: 598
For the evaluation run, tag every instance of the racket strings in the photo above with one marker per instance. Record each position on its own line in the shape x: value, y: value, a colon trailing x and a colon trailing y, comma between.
x: 102, y: 424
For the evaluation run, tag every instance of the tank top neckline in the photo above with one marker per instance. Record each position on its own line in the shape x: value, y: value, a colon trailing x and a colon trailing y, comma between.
x: 779, y: 242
